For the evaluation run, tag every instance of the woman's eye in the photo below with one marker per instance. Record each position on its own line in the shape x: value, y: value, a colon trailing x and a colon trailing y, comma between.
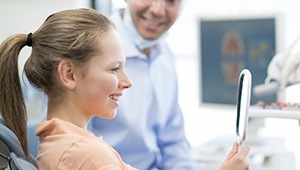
x: 115, y: 69
x: 171, y: 1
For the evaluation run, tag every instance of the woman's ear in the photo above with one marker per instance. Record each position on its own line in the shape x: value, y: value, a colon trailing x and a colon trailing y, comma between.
x: 66, y: 74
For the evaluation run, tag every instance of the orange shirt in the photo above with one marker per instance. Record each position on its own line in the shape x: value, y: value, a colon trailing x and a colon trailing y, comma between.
x: 65, y: 146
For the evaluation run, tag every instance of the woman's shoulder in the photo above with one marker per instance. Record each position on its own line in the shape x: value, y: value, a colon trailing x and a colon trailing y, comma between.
x: 92, y: 145
x: 90, y: 152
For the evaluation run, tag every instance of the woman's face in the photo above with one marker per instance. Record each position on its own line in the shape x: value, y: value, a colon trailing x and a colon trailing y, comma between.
x: 104, y: 80
x: 155, y: 18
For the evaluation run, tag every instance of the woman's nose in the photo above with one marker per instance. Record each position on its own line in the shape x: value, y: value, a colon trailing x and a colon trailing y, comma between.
x: 125, y: 83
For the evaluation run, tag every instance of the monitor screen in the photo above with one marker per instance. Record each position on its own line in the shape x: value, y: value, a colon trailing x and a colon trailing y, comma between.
x: 227, y: 45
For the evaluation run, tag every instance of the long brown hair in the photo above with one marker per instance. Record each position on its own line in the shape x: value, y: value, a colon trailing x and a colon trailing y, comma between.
x: 68, y: 34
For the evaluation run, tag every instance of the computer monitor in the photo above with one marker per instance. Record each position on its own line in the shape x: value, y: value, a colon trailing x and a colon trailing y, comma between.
x: 229, y: 44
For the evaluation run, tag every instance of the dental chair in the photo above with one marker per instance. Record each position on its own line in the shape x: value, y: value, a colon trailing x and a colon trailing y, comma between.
x: 12, y: 156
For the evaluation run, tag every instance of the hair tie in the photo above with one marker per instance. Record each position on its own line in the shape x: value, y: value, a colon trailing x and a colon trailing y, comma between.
x: 29, y: 40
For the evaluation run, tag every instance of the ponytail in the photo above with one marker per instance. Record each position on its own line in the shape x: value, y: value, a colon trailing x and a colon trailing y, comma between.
x: 12, y: 104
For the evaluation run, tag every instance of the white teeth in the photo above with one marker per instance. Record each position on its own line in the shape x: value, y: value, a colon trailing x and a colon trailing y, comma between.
x: 114, y: 97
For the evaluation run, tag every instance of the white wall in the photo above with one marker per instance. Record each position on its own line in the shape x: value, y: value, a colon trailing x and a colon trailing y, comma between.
x: 20, y: 16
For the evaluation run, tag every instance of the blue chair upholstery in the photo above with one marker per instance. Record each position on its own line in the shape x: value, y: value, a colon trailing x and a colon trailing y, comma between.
x: 32, y: 139
x: 11, y: 152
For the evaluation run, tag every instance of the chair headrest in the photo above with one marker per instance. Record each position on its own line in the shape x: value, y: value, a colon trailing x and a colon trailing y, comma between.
x: 10, y: 139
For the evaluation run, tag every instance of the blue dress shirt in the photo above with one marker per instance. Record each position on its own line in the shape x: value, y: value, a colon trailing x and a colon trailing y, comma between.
x: 148, y: 131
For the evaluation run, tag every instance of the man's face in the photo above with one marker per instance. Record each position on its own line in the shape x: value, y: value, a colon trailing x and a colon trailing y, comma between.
x: 152, y: 18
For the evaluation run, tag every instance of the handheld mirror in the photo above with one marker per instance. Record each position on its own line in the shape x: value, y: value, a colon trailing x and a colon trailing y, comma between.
x: 243, y: 103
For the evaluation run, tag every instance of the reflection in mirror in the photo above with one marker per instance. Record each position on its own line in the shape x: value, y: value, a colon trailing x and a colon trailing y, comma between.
x: 243, y: 102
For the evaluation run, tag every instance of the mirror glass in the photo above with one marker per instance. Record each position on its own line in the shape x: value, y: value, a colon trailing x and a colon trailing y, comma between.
x: 243, y: 103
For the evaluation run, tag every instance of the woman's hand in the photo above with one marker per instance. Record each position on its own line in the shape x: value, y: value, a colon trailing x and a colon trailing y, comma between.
x: 236, y: 160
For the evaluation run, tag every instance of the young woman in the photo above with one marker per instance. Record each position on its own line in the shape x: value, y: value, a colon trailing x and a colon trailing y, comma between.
x: 78, y: 60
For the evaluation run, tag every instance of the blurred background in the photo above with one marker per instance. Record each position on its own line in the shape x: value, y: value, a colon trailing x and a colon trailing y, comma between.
x: 273, y: 134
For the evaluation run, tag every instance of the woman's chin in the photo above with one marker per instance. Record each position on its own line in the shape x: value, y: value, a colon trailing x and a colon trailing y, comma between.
x: 109, y: 116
